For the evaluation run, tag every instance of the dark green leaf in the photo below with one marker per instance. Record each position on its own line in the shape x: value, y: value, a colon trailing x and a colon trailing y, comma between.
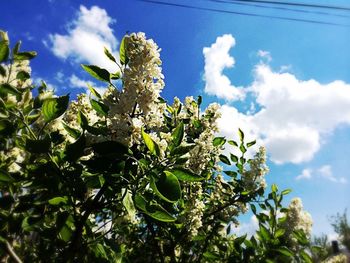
x: 224, y: 159
x: 219, y: 141
x: 71, y: 131
x: 82, y: 120
x: 4, y: 47
x: 234, y: 158
x: 182, y: 149
x: 16, y: 47
x: 93, y: 91
x: 306, y: 257
x: 38, y: 146
x: 199, y: 101
x: 65, y: 233
x: 7, y: 88
x: 23, y: 75
x: 241, y: 135
x: 99, y: 107
x: 285, y: 251
x: 5, y: 177
x: 97, y: 72
x: 155, y: 211
x: 253, y: 208
x: 242, y: 148
x: 110, y: 147
x: 53, y: 108
x: 186, y: 175
x: 6, y: 202
x: 211, y: 256
x: 2, y: 71
x: 75, y: 150
x: 109, y: 55
x: 122, y: 52
x: 151, y: 145
x: 25, y: 55
x: 178, y: 134
x: 231, y: 173
x: 264, y: 233
x: 167, y: 187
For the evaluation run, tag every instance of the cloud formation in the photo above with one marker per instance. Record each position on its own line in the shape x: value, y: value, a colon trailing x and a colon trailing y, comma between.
x: 217, y: 58
x: 86, y: 37
x: 323, y: 172
x: 292, y: 116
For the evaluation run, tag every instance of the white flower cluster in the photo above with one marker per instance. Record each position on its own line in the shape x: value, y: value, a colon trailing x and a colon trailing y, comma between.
x: 195, y: 210
x: 14, y: 157
x: 254, y: 178
x: 341, y: 258
x: 297, y: 219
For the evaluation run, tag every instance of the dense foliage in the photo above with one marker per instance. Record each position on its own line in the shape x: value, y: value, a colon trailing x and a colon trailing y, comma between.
x: 125, y: 176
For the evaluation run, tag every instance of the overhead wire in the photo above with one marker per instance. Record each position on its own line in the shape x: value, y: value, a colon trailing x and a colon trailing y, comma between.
x: 245, y: 13
x: 252, y: 4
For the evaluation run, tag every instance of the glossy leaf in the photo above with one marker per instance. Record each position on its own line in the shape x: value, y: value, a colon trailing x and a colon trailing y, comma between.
x: 109, y: 55
x: 58, y: 200
x: 186, y: 175
x: 122, y: 52
x: 99, y: 107
x: 178, y: 134
x: 285, y: 251
x: 53, y: 108
x: 167, y: 187
x: 97, y: 72
x: 6, y: 88
x: 25, y: 55
x: 4, y: 47
x: 152, y: 146
x: 224, y: 159
x: 5, y: 177
x: 219, y: 141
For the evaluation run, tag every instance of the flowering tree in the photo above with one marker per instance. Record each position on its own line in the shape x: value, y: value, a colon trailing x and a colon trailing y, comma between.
x: 125, y: 176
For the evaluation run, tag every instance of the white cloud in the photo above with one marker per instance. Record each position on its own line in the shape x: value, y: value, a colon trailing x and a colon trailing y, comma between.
x: 326, y: 173
x: 292, y: 117
x: 76, y: 82
x: 217, y: 58
x: 86, y: 37
x: 248, y: 228
x: 323, y: 172
x: 305, y: 174
x: 265, y: 55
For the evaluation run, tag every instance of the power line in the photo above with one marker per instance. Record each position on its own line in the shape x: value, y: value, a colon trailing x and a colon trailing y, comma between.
x: 344, y: 8
x: 235, y: 2
x: 244, y: 13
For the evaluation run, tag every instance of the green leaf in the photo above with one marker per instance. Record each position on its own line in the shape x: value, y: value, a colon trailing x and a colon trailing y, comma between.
x: 151, y: 145
x: 253, y: 208
x: 99, y: 107
x: 186, y: 175
x: 285, y: 251
x: 71, y: 131
x: 75, y: 150
x: 58, y: 200
x: 25, y: 55
x: 65, y: 233
x: 6, y: 88
x: 167, y: 187
x: 110, y: 147
x: 250, y: 144
x: 280, y: 232
x: 274, y: 188
x: 2, y: 71
x: 241, y: 135
x: 38, y: 146
x: 211, y: 256
x: 155, y: 211
x: 6, y: 202
x: 178, y: 134
x: 16, y: 47
x: 4, y: 47
x: 224, y: 159
x: 264, y: 233
x: 53, y: 108
x: 129, y: 203
x: 219, y: 141
x: 109, y: 55
x: 82, y: 120
x: 231, y: 173
x: 93, y: 91
x: 116, y: 75
x: 306, y: 257
x: 97, y: 72
x: 122, y: 52
x: 199, y: 101
x: 287, y: 191
x: 234, y: 158
x: 242, y: 148
x: 5, y: 177
x: 231, y: 142
x: 22, y: 75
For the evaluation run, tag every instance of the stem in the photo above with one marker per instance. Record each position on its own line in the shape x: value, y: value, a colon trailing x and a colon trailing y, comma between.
x: 12, y: 253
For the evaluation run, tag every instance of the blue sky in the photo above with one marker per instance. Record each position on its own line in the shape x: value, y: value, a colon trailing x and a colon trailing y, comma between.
x: 285, y: 83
